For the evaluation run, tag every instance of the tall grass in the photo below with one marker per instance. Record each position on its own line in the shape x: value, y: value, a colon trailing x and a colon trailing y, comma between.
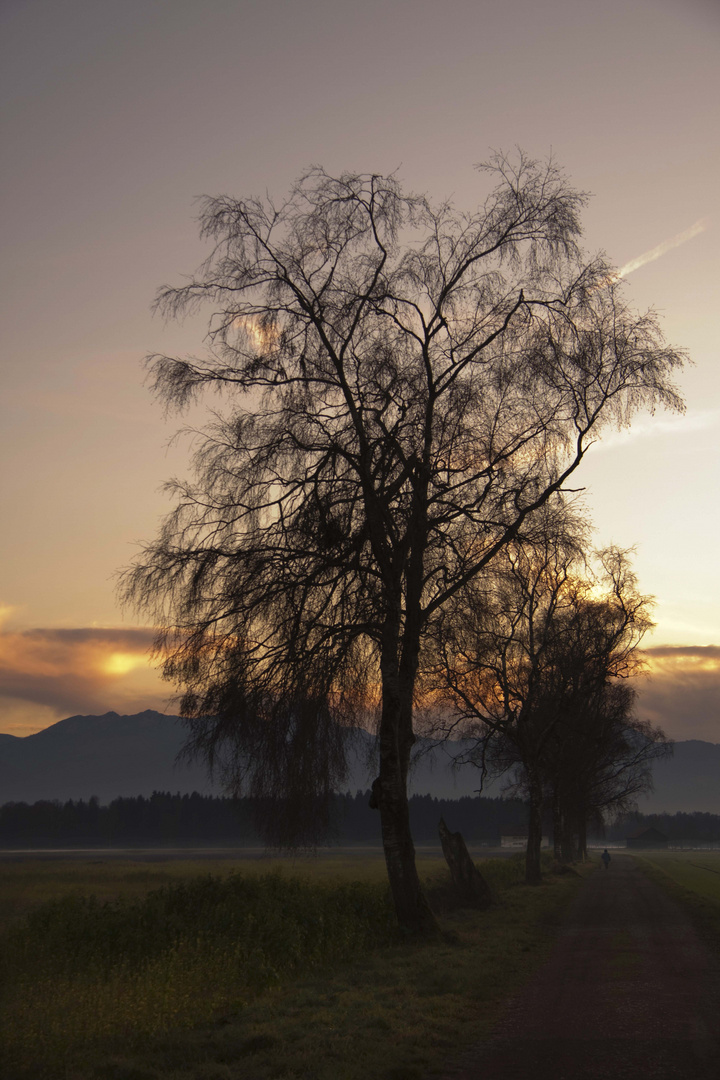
x: 79, y: 969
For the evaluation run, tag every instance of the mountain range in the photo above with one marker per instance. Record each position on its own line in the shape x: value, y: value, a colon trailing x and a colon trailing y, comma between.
x: 111, y: 755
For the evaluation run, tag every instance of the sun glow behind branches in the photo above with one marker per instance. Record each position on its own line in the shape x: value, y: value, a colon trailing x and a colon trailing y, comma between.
x: 260, y: 336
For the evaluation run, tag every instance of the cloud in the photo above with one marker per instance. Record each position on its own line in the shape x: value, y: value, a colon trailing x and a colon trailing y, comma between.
x: 682, y: 691
x: 58, y: 673
x: 46, y: 675
x: 662, y: 249
x: 699, y: 653
x: 656, y: 427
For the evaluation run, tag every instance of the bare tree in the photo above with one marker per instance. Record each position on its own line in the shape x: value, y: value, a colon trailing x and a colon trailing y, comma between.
x: 596, y: 762
x: 406, y: 385
x: 602, y: 762
x: 534, y: 658
x: 599, y: 756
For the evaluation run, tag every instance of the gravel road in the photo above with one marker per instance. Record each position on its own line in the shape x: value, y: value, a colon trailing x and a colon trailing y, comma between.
x: 629, y: 991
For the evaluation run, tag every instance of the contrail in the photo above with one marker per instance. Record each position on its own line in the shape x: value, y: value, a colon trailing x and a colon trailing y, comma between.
x: 661, y: 249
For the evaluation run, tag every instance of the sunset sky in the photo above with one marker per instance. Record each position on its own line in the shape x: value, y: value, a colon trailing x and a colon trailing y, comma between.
x: 117, y: 114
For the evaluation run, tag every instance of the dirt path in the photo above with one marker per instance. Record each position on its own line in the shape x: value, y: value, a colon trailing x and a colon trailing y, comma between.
x: 630, y: 991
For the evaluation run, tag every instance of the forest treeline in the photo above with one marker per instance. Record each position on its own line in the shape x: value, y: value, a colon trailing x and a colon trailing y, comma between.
x: 164, y: 818
x: 681, y: 827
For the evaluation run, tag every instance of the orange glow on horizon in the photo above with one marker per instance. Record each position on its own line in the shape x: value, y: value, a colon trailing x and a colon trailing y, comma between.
x: 121, y: 663
x: 674, y: 664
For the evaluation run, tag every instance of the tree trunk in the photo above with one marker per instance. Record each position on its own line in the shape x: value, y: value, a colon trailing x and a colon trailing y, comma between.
x: 390, y: 796
x: 568, y: 842
x: 582, y: 836
x: 557, y: 829
x: 469, y: 883
x: 533, y: 875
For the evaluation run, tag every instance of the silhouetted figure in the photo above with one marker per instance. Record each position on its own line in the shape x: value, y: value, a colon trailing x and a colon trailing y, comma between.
x: 605, y: 858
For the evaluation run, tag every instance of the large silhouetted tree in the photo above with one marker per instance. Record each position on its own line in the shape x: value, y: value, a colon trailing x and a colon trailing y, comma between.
x: 404, y: 386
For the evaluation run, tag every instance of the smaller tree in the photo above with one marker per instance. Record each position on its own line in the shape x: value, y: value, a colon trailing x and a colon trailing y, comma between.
x: 600, y: 761
x: 534, y: 667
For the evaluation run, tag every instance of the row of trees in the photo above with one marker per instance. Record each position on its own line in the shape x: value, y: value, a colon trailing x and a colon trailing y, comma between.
x: 409, y: 391
x: 695, y: 827
x: 536, y: 659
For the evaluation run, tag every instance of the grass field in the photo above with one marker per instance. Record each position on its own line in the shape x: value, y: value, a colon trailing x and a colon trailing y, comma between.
x: 696, y: 871
x: 172, y: 972
x: 693, y: 878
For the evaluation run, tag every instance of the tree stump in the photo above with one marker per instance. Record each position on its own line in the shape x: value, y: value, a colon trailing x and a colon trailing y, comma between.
x: 471, y: 886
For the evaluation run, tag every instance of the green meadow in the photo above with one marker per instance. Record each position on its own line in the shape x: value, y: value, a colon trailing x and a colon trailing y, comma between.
x: 693, y: 878
x: 697, y: 872
x: 255, y: 969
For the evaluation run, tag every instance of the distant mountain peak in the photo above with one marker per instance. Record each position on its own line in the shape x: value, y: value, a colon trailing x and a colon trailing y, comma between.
x: 93, y: 726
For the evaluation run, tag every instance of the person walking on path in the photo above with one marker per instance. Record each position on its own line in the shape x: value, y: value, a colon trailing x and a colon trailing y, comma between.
x: 605, y: 858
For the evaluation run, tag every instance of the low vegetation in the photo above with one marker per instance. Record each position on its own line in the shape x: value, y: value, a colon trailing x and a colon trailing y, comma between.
x: 299, y: 974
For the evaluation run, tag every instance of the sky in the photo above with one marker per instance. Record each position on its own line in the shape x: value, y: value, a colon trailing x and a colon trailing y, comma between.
x: 117, y: 116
